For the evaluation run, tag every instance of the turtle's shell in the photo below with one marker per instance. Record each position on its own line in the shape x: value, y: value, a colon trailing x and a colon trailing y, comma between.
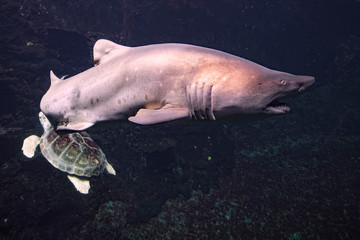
x: 74, y: 153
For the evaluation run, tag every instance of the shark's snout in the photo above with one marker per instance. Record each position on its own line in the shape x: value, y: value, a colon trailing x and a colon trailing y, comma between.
x: 299, y: 84
x: 305, y: 82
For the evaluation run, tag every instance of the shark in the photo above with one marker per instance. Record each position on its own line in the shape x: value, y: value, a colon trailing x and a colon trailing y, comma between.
x: 158, y: 83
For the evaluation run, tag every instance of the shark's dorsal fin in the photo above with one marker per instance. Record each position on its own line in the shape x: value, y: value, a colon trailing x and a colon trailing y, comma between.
x: 54, y: 79
x: 104, y: 51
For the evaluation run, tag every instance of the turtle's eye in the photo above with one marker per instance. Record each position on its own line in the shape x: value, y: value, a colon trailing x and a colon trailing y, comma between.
x: 283, y: 82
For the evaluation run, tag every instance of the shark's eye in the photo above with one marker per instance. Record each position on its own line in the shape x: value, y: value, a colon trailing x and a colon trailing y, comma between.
x: 283, y: 82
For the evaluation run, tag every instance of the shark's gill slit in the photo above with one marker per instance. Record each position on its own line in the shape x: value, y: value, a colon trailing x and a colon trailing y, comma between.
x: 188, y: 98
x: 201, y: 115
x: 208, y: 102
x: 199, y: 101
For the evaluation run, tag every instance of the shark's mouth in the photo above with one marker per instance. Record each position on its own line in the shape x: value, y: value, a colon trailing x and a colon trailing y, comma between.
x: 277, y: 107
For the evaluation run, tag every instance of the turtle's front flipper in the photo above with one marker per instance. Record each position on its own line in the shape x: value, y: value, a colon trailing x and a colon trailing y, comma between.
x: 82, y: 186
x: 29, y: 145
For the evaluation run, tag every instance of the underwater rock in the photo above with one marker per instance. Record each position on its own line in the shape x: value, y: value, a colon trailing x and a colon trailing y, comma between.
x: 110, y: 219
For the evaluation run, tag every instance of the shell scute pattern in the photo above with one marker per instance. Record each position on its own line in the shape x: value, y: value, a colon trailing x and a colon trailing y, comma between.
x: 72, y: 152
x: 79, y: 172
x: 78, y: 137
x: 91, y: 143
x: 75, y: 153
x: 91, y: 151
x: 85, y: 135
x: 60, y: 144
x: 51, y: 136
x: 69, y: 169
x: 91, y: 160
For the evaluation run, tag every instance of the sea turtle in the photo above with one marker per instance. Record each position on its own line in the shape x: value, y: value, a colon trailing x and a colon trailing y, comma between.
x: 75, y: 153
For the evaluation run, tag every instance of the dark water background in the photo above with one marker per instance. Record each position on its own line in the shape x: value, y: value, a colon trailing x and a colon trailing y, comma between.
x: 295, y: 176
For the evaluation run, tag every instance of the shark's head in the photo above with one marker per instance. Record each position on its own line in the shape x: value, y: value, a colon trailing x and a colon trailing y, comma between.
x: 277, y: 86
x: 61, y: 105
x: 260, y: 93
x: 56, y: 102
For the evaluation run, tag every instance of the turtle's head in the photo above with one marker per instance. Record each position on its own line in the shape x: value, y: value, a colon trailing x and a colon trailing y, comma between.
x: 45, y: 122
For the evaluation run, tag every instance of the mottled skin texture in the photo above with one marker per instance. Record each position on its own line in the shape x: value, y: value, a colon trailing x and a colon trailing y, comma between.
x: 163, y: 82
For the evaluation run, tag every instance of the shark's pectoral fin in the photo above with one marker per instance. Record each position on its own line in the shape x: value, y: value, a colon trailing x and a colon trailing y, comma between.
x: 74, y: 126
x: 82, y: 186
x: 153, y: 116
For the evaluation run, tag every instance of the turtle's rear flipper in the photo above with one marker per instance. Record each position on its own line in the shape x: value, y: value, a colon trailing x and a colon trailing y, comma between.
x: 109, y: 168
x: 82, y: 186
x: 29, y: 145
